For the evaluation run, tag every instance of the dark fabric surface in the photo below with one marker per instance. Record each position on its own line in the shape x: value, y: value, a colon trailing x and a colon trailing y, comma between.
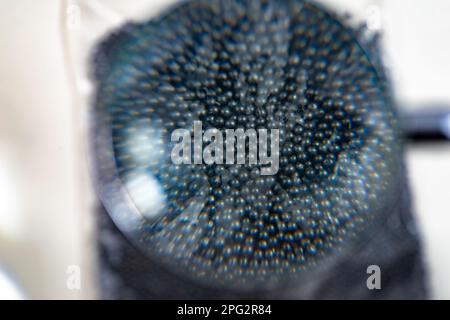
x: 393, y: 243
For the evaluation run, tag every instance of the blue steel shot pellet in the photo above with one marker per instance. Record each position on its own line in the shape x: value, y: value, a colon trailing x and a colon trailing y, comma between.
x: 287, y: 65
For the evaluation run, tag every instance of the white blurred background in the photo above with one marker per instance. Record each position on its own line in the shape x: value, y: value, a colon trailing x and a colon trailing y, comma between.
x: 46, y: 198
